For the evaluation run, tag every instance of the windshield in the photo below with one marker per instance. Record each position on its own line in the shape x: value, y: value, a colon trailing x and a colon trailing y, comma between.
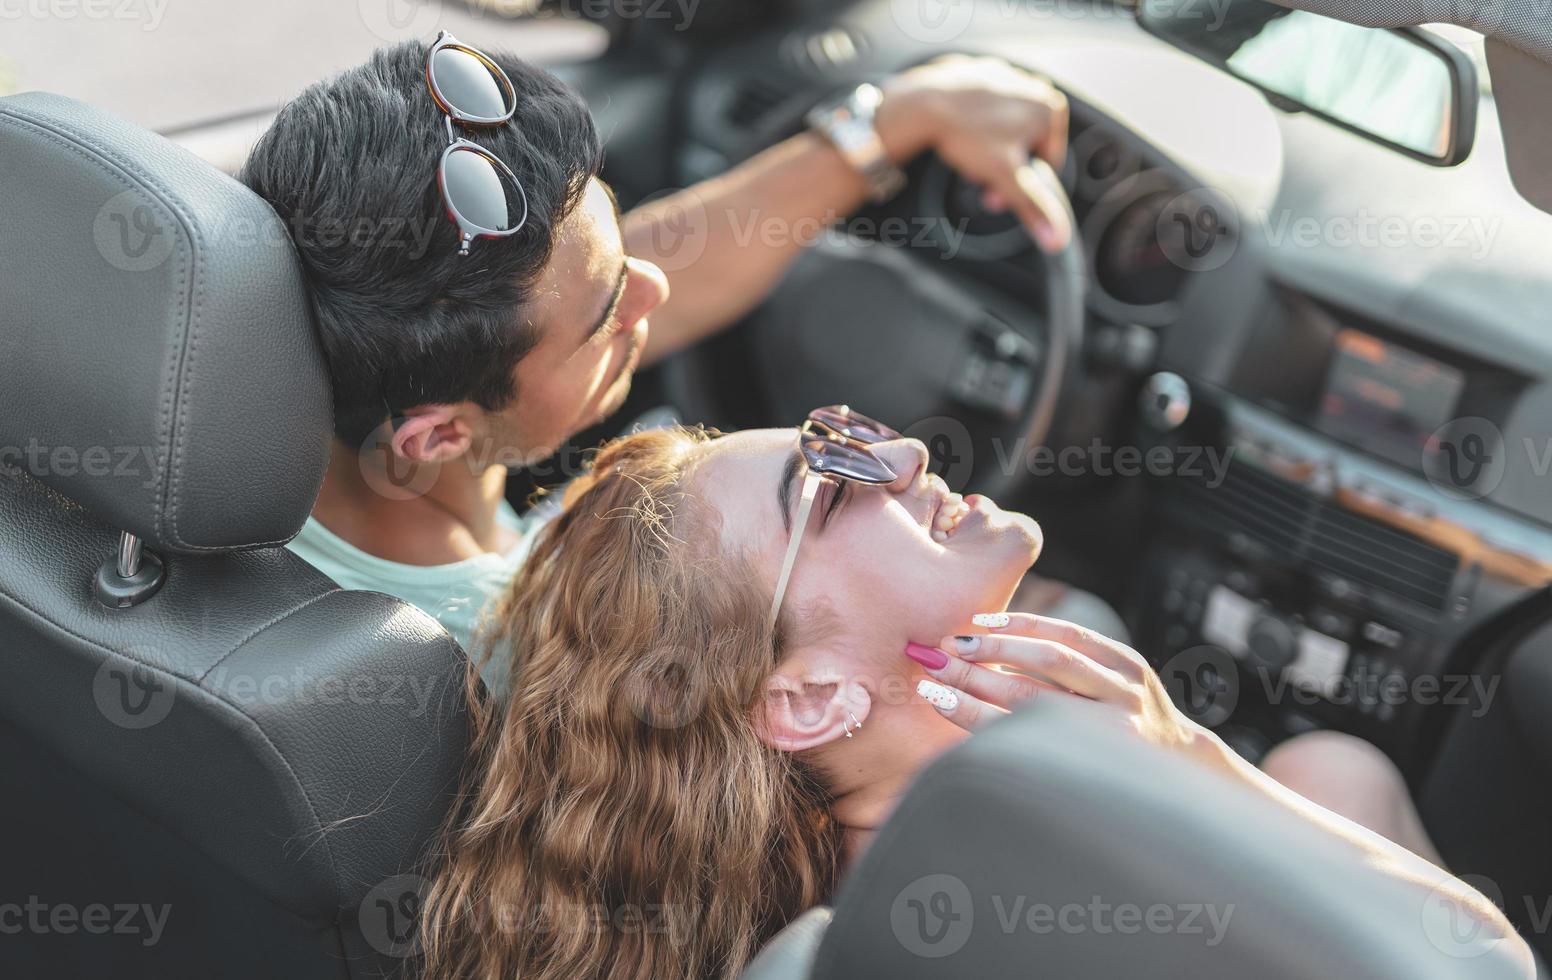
x: 169, y: 66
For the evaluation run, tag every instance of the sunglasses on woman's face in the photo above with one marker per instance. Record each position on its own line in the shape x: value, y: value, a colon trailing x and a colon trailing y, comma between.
x: 834, y: 444
x: 479, y: 191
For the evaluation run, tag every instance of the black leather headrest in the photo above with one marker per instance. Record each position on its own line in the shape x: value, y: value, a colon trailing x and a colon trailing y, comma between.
x: 1058, y: 844
x: 157, y: 354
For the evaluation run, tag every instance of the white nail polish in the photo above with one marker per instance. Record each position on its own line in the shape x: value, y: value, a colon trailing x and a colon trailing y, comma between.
x: 990, y: 620
x: 966, y: 645
x: 940, y: 697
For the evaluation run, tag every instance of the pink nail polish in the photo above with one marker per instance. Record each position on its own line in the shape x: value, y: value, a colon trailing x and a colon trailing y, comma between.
x: 930, y: 657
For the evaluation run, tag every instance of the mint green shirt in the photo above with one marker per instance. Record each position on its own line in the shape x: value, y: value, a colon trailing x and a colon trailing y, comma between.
x: 457, y: 595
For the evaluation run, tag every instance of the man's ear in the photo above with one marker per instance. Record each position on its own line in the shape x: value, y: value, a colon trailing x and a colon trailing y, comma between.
x: 433, y: 433
x: 804, y: 708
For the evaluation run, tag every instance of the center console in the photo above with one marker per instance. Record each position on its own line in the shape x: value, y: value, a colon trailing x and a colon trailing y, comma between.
x: 1326, y: 537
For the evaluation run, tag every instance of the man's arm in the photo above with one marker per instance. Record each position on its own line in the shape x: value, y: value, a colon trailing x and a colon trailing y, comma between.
x: 724, y: 242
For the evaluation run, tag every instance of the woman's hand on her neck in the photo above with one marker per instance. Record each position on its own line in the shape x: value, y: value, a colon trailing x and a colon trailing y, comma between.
x: 1053, y: 658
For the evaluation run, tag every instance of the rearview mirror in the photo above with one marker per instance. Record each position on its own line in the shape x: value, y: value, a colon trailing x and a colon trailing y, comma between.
x: 1408, y: 89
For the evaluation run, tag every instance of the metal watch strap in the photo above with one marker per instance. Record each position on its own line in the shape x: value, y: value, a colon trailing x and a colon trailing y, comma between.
x: 848, y: 125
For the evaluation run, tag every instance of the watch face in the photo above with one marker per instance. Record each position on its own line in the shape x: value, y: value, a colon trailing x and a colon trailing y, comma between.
x: 849, y: 134
x: 867, y: 96
x: 848, y: 125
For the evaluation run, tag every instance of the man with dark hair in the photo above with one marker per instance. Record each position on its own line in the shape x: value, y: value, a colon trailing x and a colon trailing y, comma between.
x: 447, y: 367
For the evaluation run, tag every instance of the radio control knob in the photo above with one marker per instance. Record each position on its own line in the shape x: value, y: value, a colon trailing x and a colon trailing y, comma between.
x: 1165, y: 401
x: 1272, y: 642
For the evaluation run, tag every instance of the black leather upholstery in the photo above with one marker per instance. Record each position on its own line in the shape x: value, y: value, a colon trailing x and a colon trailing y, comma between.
x: 1057, y: 808
x: 155, y: 317
x: 252, y: 753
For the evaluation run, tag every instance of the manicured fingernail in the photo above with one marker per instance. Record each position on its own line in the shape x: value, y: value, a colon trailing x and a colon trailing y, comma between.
x: 929, y: 657
x: 966, y: 646
x: 990, y: 620
x: 935, y: 694
x: 1050, y: 240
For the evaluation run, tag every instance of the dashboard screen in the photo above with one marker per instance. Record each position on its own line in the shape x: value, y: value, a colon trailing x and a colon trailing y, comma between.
x: 1385, y: 398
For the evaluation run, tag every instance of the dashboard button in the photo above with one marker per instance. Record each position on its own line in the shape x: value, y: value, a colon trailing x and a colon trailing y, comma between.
x: 1331, y: 623
x: 1337, y: 587
x: 1240, y: 582
x: 1227, y: 620
x: 1321, y: 664
x: 1272, y: 642
x: 1381, y: 635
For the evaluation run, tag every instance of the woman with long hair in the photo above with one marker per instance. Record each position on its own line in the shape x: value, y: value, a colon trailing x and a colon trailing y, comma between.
x: 729, y: 657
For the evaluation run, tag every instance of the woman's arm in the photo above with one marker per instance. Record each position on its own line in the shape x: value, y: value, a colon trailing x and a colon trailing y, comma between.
x: 1388, y: 857
x: 1055, y: 658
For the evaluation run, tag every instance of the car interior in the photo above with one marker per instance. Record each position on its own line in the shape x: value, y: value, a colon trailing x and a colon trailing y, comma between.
x: 1286, y: 404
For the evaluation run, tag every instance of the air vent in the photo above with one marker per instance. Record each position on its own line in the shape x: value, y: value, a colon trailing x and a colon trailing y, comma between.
x: 1296, y: 527
x: 825, y: 53
x: 752, y: 102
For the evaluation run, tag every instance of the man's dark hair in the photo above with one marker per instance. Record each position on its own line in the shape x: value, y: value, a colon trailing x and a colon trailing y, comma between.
x: 350, y: 167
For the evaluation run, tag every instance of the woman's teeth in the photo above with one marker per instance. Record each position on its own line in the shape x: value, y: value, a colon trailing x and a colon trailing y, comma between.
x: 952, y: 511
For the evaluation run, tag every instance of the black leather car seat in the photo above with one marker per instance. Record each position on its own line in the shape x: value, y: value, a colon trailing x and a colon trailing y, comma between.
x: 1056, y: 844
x: 214, y: 762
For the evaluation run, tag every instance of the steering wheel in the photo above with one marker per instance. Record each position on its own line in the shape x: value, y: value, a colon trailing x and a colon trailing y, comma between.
x: 974, y: 366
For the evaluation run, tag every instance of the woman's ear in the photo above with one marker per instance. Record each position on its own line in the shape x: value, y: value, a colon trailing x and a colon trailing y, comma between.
x: 804, y: 708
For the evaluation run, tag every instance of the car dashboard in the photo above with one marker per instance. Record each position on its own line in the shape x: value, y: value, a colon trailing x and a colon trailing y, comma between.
x: 1362, y: 336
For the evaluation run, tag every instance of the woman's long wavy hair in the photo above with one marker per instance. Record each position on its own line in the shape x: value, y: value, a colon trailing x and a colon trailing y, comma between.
x: 622, y: 818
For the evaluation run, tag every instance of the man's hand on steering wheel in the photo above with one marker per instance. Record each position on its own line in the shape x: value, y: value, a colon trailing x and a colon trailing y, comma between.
x: 1003, y: 130
x: 991, y: 122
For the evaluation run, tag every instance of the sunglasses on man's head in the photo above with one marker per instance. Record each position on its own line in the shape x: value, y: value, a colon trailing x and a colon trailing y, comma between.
x: 480, y: 193
x: 834, y: 444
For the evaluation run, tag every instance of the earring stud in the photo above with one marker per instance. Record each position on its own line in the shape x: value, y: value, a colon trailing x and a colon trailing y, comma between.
x: 851, y: 723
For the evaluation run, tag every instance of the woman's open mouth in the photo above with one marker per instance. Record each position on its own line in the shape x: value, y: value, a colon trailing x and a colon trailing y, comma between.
x: 972, y: 512
x: 946, y: 517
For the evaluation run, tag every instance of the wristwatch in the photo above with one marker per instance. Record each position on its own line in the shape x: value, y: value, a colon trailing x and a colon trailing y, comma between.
x: 847, y: 123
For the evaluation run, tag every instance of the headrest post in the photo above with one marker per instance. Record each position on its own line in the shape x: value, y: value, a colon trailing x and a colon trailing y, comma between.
x: 129, y: 555
x: 130, y: 577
